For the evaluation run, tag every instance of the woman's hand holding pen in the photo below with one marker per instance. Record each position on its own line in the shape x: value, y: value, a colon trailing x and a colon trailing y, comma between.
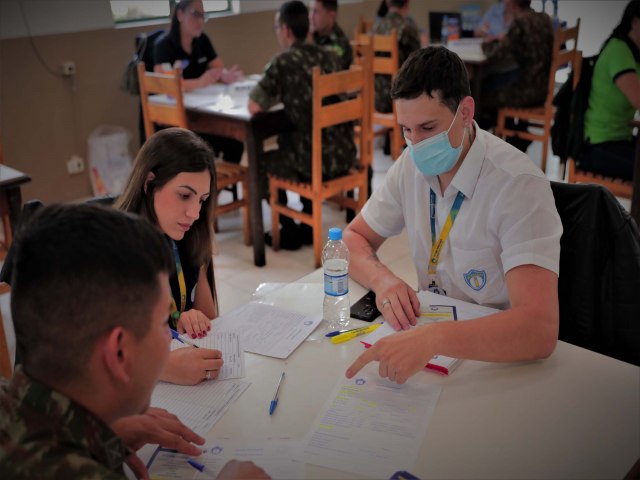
x: 194, y: 323
x: 189, y: 366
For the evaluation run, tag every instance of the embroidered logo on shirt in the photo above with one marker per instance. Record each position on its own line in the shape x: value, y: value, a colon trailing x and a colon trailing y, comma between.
x: 476, y: 279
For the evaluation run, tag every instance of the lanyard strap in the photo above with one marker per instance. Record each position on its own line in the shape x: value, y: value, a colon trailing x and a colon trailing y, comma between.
x: 436, y: 246
x: 175, y: 313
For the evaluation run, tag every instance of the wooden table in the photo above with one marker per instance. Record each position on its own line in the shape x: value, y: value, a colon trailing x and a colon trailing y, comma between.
x: 635, y: 196
x: 222, y: 110
x: 10, y: 194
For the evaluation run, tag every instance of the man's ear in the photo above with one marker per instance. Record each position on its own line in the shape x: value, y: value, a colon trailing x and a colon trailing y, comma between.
x: 117, y: 354
x: 468, y: 109
x: 150, y: 177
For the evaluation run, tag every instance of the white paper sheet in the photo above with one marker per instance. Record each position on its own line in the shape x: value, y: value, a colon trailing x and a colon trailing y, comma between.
x: 275, y: 456
x: 268, y: 330
x: 370, y: 428
x: 200, y: 406
x: 228, y: 343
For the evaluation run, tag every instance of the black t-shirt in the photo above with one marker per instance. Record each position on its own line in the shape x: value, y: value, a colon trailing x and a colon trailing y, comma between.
x: 167, y: 49
x: 191, y: 273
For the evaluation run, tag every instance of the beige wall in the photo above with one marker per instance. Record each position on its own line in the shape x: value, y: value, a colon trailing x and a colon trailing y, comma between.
x: 44, y: 119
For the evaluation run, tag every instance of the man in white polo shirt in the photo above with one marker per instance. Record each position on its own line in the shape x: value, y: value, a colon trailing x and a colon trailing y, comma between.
x: 489, y: 214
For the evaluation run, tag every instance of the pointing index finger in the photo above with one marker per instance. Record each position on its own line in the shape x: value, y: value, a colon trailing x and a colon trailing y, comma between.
x: 365, y: 357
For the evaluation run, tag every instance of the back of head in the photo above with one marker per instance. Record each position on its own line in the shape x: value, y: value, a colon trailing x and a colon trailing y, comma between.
x: 78, y: 272
x: 397, y: 3
x: 329, y: 5
x: 432, y: 70
x: 522, y: 4
x: 295, y: 15
x: 631, y: 11
x: 166, y: 154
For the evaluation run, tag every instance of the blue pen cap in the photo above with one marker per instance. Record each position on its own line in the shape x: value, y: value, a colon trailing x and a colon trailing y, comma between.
x: 335, y: 233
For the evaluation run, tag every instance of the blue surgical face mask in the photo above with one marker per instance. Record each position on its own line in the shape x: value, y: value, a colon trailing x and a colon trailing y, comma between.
x: 435, y: 155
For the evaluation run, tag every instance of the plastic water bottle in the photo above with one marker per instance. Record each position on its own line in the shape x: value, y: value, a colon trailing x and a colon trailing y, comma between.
x: 335, y: 260
x: 444, y: 30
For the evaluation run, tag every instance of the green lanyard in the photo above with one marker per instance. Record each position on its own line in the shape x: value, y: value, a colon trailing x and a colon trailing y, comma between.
x: 436, y: 245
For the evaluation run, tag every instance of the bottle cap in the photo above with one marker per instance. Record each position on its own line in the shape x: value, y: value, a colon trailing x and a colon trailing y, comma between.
x: 335, y: 233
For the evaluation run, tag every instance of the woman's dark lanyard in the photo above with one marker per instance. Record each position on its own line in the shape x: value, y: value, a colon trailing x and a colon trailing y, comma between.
x: 175, y: 313
x: 436, y: 246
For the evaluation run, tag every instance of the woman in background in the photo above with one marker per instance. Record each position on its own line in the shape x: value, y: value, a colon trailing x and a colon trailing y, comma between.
x: 609, y: 147
x: 173, y: 185
x: 187, y: 43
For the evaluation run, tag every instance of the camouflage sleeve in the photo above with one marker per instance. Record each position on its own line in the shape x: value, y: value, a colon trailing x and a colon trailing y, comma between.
x: 501, y: 50
x: 267, y: 92
x: 347, y: 54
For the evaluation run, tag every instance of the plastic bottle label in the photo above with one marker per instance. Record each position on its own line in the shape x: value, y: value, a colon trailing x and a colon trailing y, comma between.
x: 336, y: 286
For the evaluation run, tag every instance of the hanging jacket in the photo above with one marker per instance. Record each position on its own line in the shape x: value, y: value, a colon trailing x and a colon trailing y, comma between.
x: 599, y: 284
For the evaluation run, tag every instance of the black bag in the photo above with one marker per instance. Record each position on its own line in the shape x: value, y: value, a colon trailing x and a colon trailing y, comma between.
x: 567, y: 132
x: 129, y: 82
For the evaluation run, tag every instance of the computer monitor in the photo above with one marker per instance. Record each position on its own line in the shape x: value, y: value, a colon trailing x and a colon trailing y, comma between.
x: 435, y: 24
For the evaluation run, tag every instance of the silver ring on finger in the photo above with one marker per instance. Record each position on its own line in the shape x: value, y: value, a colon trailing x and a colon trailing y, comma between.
x: 385, y: 302
x: 208, y: 374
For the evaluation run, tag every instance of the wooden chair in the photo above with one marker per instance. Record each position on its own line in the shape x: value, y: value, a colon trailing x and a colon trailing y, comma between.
x: 385, y: 65
x: 617, y: 186
x: 542, y: 116
x: 6, y: 220
x: 5, y: 358
x: 174, y: 114
x: 364, y: 26
x: 350, y: 108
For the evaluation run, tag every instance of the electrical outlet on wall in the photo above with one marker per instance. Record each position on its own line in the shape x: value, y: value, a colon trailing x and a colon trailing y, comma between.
x: 75, y: 165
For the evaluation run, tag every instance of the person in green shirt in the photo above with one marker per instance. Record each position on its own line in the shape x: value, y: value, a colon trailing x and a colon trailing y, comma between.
x: 614, y: 99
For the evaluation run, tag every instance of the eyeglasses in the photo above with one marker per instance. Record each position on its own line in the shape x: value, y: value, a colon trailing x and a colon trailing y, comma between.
x: 197, y: 14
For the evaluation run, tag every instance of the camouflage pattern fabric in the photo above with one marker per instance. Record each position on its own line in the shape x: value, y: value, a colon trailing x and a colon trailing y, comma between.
x: 44, y: 434
x: 408, y: 42
x: 527, y: 45
x: 338, y: 43
x: 287, y: 79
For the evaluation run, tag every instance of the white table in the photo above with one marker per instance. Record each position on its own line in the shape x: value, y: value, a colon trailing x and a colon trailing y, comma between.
x: 574, y: 415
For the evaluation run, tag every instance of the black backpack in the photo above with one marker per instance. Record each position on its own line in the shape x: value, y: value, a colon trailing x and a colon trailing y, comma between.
x: 567, y: 132
x: 144, y: 53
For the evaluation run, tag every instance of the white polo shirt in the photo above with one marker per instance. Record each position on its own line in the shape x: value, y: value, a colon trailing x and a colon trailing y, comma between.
x: 508, y: 218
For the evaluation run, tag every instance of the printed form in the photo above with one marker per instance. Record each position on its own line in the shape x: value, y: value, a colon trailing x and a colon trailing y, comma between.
x: 268, y: 330
x: 274, y: 456
x: 371, y: 427
x: 228, y: 343
x: 200, y: 406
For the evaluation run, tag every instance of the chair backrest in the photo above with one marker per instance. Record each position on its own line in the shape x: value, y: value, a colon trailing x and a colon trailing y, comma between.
x: 599, y: 272
x: 352, y: 89
x: 364, y: 26
x: 385, y: 52
x: 562, y: 56
x: 168, y: 112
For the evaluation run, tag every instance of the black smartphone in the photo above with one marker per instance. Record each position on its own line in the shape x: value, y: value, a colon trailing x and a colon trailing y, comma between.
x: 365, y: 308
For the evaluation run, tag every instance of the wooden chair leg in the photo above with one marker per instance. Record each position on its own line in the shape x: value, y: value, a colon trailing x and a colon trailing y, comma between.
x: 317, y: 231
x: 245, y: 213
x: 396, y: 142
x: 275, y: 218
x: 500, y: 125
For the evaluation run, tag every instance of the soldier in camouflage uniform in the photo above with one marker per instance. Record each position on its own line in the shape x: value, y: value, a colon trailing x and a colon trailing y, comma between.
x: 89, y: 299
x: 287, y: 79
x: 408, y: 42
x: 326, y: 32
x: 518, y: 64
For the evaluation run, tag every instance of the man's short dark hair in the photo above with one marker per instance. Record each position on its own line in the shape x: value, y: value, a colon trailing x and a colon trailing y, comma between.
x: 523, y: 4
x: 295, y: 15
x: 330, y: 5
x: 397, y: 3
x: 433, y: 70
x: 78, y: 272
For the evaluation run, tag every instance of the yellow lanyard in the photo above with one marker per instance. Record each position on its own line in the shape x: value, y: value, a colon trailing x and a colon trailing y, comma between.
x: 175, y: 313
x: 436, y: 245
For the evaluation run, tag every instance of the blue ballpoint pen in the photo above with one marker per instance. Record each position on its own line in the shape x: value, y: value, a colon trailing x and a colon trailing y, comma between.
x: 200, y: 467
x: 274, y: 402
x: 338, y: 332
x: 177, y: 336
